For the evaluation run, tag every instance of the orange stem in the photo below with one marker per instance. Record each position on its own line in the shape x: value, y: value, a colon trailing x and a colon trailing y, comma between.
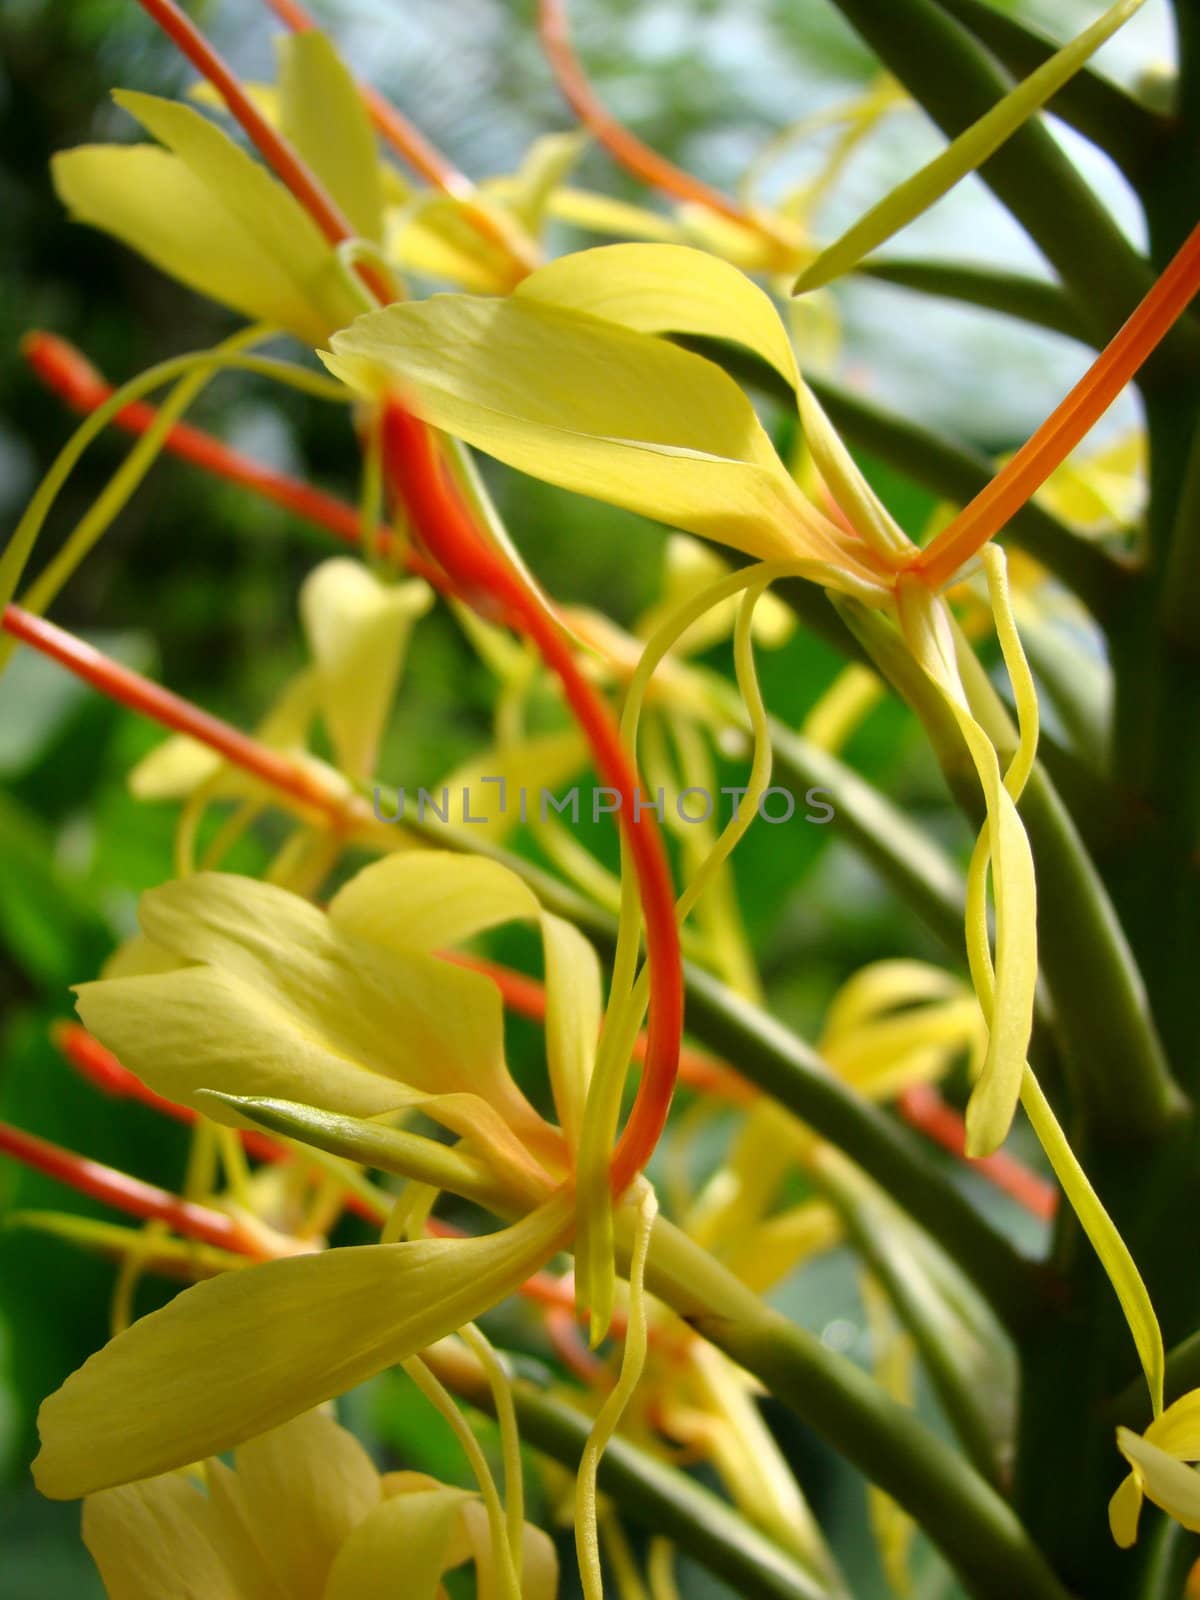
x: 1117, y: 364
x: 625, y: 148
x: 131, y: 689
x: 275, y: 149
x: 442, y: 521
x: 922, y: 1107
x: 421, y: 154
x: 124, y: 1193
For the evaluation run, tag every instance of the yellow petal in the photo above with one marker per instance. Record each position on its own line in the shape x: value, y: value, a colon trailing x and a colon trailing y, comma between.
x: 173, y: 769
x: 918, y: 1045
x: 1125, y: 1511
x: 491, y: 808
x: 301, y: 1490
x: 265, y: 97
x: 884, y: 986
x: 290, y: 1006
x: 539, y: 1566
x: 675, y: 289
x: 209, y: 215
x: 588, y: 405
x: 438, y: 899
x: 1170, y: 1484
x: 545, y: 164
x: 402, y: 1547
x: 322, y: 113
x: 430, y: 900
x: 429, y: 236
x: 245, y: 1352
x: 154, y: 1539
x: 574, y: 1005
x: 600, y: 213
x: 1177, y: 1431
x: 357, y: 632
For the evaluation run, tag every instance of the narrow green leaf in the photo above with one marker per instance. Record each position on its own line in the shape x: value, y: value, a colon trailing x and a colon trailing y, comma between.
x: 969, y: 151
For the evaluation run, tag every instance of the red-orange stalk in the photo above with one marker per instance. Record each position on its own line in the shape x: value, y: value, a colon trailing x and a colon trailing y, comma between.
x: 443, y: 524
x: 152, y: 700
x: 1118, y: 363
x: 626, y: 148
x: 275, y: 149
x: 423, y: 156
x: 102, y: 1069
x: 922, y: 1107
x: 68, y: 373
x: 127, y: 1194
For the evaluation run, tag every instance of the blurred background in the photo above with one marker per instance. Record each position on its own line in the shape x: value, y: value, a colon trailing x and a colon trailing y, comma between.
x: 196, y: 584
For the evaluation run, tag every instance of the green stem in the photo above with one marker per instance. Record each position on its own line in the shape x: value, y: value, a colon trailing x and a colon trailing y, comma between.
x: 951, y: 77
x: 1125, y: 129
x: 784, y: 1066
x: 965, y: 1517
x: 916, y: 868
x: 1013, y: 294
x: 653, y: 1496
x: 885, y: 1244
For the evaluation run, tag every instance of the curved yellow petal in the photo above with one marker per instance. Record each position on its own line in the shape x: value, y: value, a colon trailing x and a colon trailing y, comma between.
x: 1170, y: 1484
x: 322, y: 112
x: 402, y: 1547
x: 288, y: 1005
x: 243, y: 1353
x: 154, y: 1539
x: 357, y: 631
x: 208, y: 214
x: 666, y: 288
x: 1125, y: 1511
x: 430, y: 900
x: 588, y: 405
x: 574, y: 1006
x: 1177, y: 1431
x: 299, y: 1491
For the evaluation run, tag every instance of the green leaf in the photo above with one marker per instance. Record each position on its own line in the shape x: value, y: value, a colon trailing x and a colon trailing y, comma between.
x: 968, y: 152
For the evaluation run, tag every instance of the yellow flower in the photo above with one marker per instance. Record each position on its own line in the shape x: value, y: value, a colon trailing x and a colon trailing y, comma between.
x: 1158, y: 1472
x: 569, y: 378
x: 301, y: 1515
x: 324, y: 1020
x: 208, y: 214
